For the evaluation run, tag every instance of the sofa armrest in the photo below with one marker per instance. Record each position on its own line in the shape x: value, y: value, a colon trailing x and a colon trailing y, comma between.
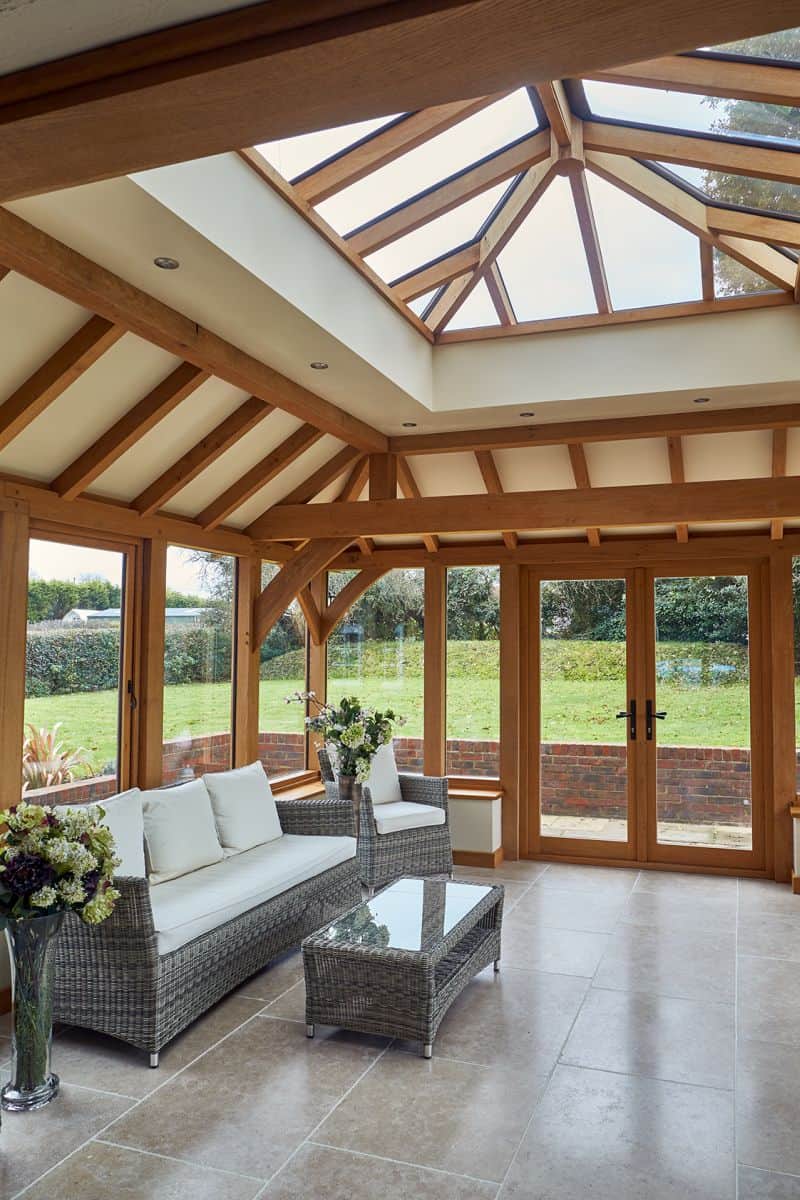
x: 424, y: 789
x: 328, y: 816
x: 127, y: 935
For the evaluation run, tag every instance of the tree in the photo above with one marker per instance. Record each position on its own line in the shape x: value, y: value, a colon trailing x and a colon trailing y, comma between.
x: 754, y: 119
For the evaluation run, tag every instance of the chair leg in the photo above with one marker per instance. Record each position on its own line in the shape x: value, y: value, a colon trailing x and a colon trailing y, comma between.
x: 154, y: 1060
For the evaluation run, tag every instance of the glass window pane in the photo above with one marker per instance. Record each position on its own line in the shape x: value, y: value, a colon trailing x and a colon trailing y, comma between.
x: 294, y: 156
x: 198, y: 629
x: 283, y: 671
x: 695, y: 114
x: 703, y: 771
x: 477, y: 310
x: 727, y: 187
x: 428, y: 164
x: 782, y: 46
x: 376, y: 653
x: 72, y: 678
x: 732, y: 278
x: 473, y: 671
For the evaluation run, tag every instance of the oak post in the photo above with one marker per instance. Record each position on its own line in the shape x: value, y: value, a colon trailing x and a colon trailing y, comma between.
x: 246, y: 663
x: 151, y: 668
x: 510, y: 679
x: 783, y: 731
x: 435, y: 670
x: 317, y: 665
x: 14, y: 538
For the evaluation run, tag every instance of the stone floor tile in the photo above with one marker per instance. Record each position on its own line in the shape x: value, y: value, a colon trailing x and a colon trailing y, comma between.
x: 341, y: 1175
x: 531, y: 946
x: 684, y: 884
x: 767, y: 1185
x: 764, y: 895
x: 768, y: 988
x: 570, y: 910
x: 519, y: 870
x: 770, y: 935
x: 618, y: 881
x: 767, y: 1104
x: 275, y: 979
x: 692, y: 911
x: 667, y: 962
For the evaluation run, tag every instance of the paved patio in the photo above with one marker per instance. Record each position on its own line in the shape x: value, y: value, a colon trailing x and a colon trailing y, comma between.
x: 727, y: 837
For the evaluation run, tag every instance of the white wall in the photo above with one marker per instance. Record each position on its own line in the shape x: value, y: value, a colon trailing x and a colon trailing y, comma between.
x: 475, y: 825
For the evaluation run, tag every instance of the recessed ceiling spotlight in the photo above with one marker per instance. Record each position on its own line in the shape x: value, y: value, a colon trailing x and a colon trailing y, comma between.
x: 702, y: 399
x: 165, y: 263
x: 409, y: 424
x: 318, y: 366
x: 527, y: 414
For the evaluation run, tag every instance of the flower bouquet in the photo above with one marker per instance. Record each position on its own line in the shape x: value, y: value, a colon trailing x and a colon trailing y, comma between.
x: 52, y: 861
x: 352, y: 735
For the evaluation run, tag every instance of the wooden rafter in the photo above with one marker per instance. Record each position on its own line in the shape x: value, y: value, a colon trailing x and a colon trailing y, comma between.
x: 708, y: 76
x: 677, y: 475
x: 293, y: 576
x: 502, y: 227
x: 128, y: 430
x: 591, y: 241
x: 707, y: 269
x: 687, y: 211
x: 606, y: 429
x: 453, y: 266
x: 384, y: 147
x: 447, y: 195
x: 344, y: 600
x: 717, y: 154
x: 760, y: 228
x: 202, y: 455
x: 58, y: 267
x: 48, y: 382
x: 259, y: 476
x: 557, y: 110
x: 654, y: 504
x: 779, y: 442
x: 409, y: 488
x: 355, y: 482
x: 580, y: 473
x: 328, y: 473
x: 494, y: 486
x: 499, y: 295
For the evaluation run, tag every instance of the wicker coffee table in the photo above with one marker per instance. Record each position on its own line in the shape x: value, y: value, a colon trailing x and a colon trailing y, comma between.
x: 394, y: 964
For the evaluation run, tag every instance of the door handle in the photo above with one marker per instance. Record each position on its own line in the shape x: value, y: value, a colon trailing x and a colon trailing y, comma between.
x: 631, y: 716
x: 650, y: 716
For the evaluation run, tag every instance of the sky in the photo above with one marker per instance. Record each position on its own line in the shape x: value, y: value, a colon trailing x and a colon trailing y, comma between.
x: 648, y: 259
x: 55, y: 560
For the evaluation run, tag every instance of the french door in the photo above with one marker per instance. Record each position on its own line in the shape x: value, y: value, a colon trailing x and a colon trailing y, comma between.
x: 646, y: 716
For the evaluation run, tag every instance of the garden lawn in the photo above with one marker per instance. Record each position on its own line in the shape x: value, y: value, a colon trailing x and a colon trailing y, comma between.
x: 572, y: 710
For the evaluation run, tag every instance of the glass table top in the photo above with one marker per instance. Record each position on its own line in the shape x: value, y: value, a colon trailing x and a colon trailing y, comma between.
x: 410, y: 914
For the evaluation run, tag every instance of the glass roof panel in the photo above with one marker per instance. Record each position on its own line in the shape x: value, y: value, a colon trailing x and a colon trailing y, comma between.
x: 421, y: 303
x: 695, y: 114
x: 743, y: 190
x: 296, y: 155
x: 732, y: 278
x: 477, y: 310
x: 648, y: 259
x: 438, y: 237
x: 428, y: 164
x: 782, y: 46
x: 544, y: 265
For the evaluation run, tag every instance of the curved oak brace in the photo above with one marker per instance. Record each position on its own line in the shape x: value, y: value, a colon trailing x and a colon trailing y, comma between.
x: 347, y: 597
x: 293, y: 576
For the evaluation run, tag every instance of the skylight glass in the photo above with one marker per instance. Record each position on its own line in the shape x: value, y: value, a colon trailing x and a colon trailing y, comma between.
x: 695, y: 114
x: 743, y: 190
x: 544, y: 264
x: 647, y: 258
x: 477, y: 310
x: 296, y: 155
x: 783, y: 46
x: 732, y: 278
x: 421, y: 168
x: 438, y: 237
x: 421, y: 303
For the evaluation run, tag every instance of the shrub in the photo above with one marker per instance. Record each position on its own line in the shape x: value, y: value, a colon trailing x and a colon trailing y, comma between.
x: 46, y: 761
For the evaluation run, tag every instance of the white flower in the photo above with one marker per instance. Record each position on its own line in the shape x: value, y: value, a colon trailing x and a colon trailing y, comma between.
x: 44, y: 898
x: 71, y: 890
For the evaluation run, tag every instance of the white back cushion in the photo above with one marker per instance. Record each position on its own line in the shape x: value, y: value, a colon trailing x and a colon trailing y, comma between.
x: 384, y: 782
x: 125, y: 819
x: 244, y: 807
x: 179, y: 831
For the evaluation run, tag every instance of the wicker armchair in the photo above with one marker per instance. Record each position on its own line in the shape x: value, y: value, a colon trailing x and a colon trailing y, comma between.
x: 385, y: 857
x: 111, y: 977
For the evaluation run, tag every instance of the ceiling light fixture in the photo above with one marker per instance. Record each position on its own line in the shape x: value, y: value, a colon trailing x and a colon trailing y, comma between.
x: 409, y: 424
x: 318, y: 366
x: 702, y: 399
x: 527, y: 414
x: 165, y: 263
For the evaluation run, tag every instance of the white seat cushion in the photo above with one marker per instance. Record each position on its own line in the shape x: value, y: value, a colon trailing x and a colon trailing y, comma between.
x: 187, y: 907
x: 384, y: 782
x: 244, y: 807
x: 179, y: 831
x: 389, y: 818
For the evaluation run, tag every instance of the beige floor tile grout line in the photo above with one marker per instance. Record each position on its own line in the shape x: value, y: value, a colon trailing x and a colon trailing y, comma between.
x: 101, y: 1141
x: 401, y: 1162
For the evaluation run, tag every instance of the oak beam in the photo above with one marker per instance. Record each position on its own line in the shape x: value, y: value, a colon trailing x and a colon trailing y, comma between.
x: 384, y: 146
x: 344, y: 600
x: 409, y: 488
x: 500, y: 298
x: 779, y: 442
x: 557, y: 110
x: 580, y: 473
x: 48, y: 382
x: 327, y: 473
x: 356, y: 481
x: 653, y: 504
x: 677, y: 475
x: 246, y: 663
x: 383, y: 476
x: 258, y: 476
x: 128, y: 430
x: 149, y: 762
x: 493, y: 484
x: 14, y: 542
x: 56, y: 266
x: 293, y: 576
x: 448, y: 194
x: 761, y: 82
x: 434, y: 274
x: 591, y: 242
x: 782, y: 718
x: 202, y: 455
x: 779, y: 231
x: 311, y: 613
x: 707, y: 270
x: 513, y: 670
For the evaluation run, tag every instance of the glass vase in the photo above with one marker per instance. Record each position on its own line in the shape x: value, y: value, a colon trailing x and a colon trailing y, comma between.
x: 350, y: 790
x: 31, y: 948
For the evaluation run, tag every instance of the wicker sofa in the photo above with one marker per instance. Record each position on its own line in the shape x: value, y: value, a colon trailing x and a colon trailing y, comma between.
x: 142, y: 977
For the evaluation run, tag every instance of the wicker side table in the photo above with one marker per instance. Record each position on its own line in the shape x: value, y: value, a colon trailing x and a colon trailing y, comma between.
x: 394, y: 964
